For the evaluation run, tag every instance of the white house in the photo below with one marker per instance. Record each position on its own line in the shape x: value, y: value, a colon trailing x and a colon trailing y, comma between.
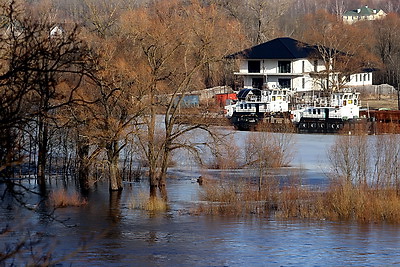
x: 363, y: 13
x: 287, y: 63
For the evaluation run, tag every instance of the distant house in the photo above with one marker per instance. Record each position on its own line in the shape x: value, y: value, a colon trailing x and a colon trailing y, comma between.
x: 287, y: 63
x: 363, y: 13
x: 56, y: 31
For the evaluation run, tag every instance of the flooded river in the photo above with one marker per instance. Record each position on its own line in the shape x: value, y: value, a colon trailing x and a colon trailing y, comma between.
x: 107, y: 232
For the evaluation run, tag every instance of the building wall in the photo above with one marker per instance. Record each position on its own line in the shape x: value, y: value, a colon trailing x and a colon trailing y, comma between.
x: 360, y: 79
x: 270, y: 66
x: 299, y: 76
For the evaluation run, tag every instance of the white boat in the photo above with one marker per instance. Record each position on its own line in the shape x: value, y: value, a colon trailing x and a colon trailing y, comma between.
x: 309, y: 112
x: 327, y: 114
x: 255, y: 105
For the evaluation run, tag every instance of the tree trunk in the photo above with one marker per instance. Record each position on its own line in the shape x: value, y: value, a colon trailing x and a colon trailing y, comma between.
x: 43, y: 132
x: 113, y: 161
x: 163, y: 174
x: 152, y: 158
x: 7, y: 144
x: 83, y: 164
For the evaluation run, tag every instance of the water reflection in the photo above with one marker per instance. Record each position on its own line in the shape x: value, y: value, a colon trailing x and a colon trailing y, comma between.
x: 117, y: 235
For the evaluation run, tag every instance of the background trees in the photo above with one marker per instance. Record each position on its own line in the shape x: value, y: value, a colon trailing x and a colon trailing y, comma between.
x: 122, y: 82
x: 387, y: 48
x: 345, y: 49
x: 41, y: 72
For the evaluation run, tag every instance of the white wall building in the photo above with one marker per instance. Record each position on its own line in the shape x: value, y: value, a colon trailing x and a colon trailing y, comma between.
x: 363, y: 13
x: 287, y: 63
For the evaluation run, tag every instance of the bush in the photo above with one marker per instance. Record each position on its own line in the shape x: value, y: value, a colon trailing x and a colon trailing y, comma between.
x: 61, y: 198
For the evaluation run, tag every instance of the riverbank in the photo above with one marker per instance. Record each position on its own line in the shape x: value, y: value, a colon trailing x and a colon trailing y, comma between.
x: 339, y: 202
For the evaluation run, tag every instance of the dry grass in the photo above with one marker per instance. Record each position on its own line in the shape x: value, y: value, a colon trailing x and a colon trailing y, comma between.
x: 339, y: 202
x: 144, y: 202
x: 240, y: 198
x: 364, y: 204
x: 61, y: 199
x: 374, y: 102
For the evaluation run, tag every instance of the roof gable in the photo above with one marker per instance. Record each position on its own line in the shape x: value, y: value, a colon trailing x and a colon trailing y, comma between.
x: 279, y: 48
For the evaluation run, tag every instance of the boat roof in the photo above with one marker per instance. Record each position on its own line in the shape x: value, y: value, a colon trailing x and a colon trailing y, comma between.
x: 244, y: 92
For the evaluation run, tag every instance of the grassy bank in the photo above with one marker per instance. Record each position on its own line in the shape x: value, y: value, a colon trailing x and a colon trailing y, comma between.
x: 341, y: 201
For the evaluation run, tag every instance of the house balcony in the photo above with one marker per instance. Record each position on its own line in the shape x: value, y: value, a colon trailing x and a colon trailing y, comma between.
x: 246, y: 73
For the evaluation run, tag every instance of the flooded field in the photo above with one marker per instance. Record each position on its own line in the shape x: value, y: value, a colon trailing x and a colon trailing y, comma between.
x: 108, y: 232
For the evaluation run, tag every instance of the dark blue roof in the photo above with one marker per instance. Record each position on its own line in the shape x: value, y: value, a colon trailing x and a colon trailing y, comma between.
x: 279, y: 48
x: 244, y: 92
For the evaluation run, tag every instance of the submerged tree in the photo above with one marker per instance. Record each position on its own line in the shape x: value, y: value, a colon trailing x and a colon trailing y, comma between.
x: 173, y: 42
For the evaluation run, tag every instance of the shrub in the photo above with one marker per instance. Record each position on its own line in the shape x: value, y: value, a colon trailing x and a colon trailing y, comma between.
x: 61, y: 198
x: 144, y: 202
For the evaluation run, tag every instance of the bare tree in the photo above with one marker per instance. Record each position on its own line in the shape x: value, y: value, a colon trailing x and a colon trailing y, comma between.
x: 344, y: 49
x: 45, y: 69
x: 172, y: 44
x: 266, y: 150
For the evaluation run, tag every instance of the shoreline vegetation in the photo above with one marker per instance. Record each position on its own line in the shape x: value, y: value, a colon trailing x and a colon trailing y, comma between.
x: 339, y: 202
x: 364, y: 182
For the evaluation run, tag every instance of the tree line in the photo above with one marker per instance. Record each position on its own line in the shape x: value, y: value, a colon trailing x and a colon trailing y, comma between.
x: 83, y: 83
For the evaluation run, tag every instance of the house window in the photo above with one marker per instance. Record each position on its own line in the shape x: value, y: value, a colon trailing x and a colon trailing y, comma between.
x: 257, y: 83
x: 284, y: 67
x: 254, y: 66
x: 284, y: 83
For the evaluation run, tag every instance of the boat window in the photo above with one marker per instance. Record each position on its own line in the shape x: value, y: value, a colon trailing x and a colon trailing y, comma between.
x: 319, y: 111
x: 279, y: 98
x: 345, y: 96
x: 355, y: 101
x: 273, y: 98
x: 309, y: 111
x: 314, y: 111
x: 241, y: 106
x: 350, y: 101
